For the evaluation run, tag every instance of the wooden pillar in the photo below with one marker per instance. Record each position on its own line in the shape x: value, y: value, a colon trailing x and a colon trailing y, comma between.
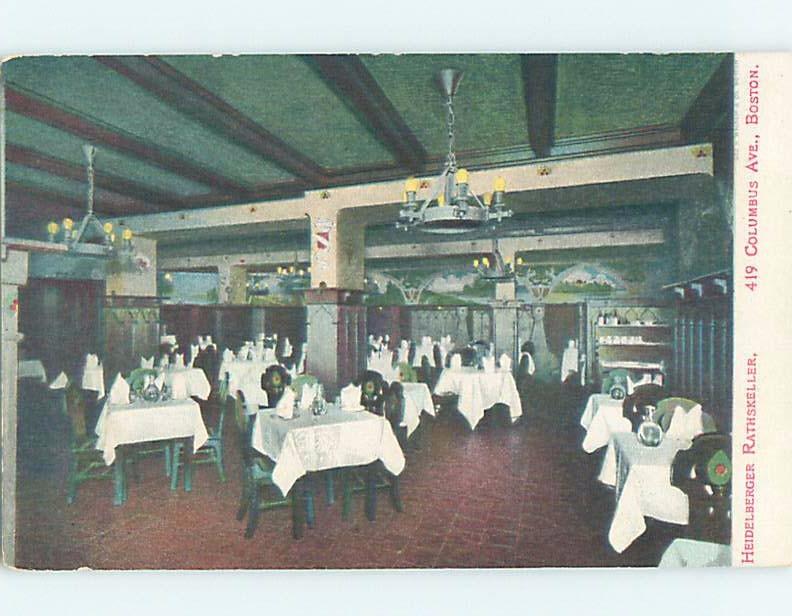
x: 336, y: 316
x: 13, y: 274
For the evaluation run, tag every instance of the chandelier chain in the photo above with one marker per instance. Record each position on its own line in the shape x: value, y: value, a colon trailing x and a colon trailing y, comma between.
x: 90, y: 172
x: 450, y: 119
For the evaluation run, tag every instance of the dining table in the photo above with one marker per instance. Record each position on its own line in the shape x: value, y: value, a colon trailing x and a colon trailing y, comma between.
x: 120, y: 425
x: 194, y: 379
x: 308, y: 443
x: 417, y: 400
x: 641, y: 477
x: 479, y: 390
x: 602, y: 417
x: 244, y: 373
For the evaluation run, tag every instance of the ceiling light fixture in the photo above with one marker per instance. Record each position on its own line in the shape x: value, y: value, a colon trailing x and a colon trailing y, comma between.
x: 451, y: 207
x: 496, y: 269
x: 78, y: 240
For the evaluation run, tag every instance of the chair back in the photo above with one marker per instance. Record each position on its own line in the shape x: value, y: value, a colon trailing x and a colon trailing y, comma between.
x: 394, y: 404
x: 138, y: 376
x: 703, y: 472
x: 207, y: 361
x: 437, y: 356
x: 644, y: 395
x: 75, y: 409
x: 666, y: 408
x: 411, y: 353
x: 244, y: 424
x: 274, y: 381
x: 407, y: 373
x: 469, y: 356
x: 372, y: 391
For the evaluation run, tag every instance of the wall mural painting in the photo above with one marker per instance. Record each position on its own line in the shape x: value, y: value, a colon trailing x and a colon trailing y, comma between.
x: 427, y: 287
x: 273, y: 289
x: 187, y: 287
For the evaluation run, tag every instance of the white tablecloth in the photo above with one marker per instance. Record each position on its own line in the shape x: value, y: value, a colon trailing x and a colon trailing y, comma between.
x: 195, y: 379
x: 479, y: 390
x: 31, y: 369
x: 141, y: 422
x: 692, y: 553
x: 336, y: 439
x: 417, y: 399
x: 93, y: 379
x: 243, y: 374
x: 602, y: 418
x: 642, y: 478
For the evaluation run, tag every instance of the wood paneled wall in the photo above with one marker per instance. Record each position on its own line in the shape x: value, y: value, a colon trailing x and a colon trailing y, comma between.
x: 702, y: 362
x: 62, y: 322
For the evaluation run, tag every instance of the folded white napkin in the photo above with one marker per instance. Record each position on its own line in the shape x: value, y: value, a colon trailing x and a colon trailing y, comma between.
x: 60, y: 382
x: 168, y: 339
x: 164, y: 361
x: 456, y: 360
x: 403, y: 354
x: 531, y: 363
x: 202, y: 343
x: 686, y: 425
x: 488, y: 363
x: 269, y: 355
x: 350, y: 397
x: 307, y: 395
x: 505, y: 362
x: 404, y: 344
x: 178, y: 386
x: 147, y: 363
x: 193, y: 353
x: 119, y: 392
x: 91, y: 361
x: 179, y: 360
x: 285, y: 407
x: 287, y: 348
x: 228, y: 355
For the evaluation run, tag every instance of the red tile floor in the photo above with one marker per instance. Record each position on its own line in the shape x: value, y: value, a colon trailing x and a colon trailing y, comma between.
x: 501, y: 496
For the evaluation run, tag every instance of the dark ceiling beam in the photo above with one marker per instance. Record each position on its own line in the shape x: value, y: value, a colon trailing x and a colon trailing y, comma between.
x: 105, y: 203
x: 34, y: 159
x: 354, y: 84
x: 193, y: 100
x: 43, y: 111
x: 713, y: 103
x: 539, y: 74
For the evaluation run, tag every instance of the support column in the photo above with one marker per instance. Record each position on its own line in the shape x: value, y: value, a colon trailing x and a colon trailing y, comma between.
x: 231, y: 283
x: 14, y: 275
x: 336, y: 315
x: 504, y: 321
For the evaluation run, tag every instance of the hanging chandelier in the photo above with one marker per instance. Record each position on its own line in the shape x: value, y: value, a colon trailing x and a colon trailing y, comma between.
x: 452, y: 207
x: 294, y: 275
x: 496, y: 269
x: 91, y: 237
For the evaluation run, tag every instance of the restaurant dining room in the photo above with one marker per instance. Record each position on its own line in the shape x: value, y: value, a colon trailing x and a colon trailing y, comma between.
x: 366, y: 311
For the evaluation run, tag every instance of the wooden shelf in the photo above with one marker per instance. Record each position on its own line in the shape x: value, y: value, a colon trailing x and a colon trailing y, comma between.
x: 632, y: 365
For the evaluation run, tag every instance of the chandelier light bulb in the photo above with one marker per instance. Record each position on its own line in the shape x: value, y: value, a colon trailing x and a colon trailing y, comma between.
x: 411, y: 185
x: 53, y: 228
x: 488, y: 199
x: 108, y: 228
x: 499, y: 185
x: 475, y: 262
x: 462, y: 176
x: 68, y: 224
x: 127, y: 234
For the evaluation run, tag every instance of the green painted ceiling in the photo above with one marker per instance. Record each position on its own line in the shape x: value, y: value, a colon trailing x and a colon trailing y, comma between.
x: 595, y: 93
x: 281, y: 93
x: 59, y: 144
x: 489, y: 104
x: 99, y: 93
x: 606, y: 92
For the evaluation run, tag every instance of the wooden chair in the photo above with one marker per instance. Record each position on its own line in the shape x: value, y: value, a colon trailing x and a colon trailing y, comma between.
x: 274, y: 381
x: 85, y: 460
x: 257, y: 479
x: 378, y: 398
x: 704, y: 473
x: 649, y: 394
x: 211, y: 451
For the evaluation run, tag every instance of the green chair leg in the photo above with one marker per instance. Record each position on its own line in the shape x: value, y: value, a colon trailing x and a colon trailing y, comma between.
x: 219, y: 462
x: 168, y: 461
x: 188, y: 464
x: 330, y: 486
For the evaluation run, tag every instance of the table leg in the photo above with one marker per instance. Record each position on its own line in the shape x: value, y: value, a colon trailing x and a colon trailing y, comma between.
x: 119, y: 475
x: 347, y: 489
x: 330, y: 479
x: 371, y: 492
x: 297, y: 511
x: 187, y: 452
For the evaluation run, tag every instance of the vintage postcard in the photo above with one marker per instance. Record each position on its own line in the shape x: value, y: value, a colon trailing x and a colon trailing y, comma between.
x: 415, y: 311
